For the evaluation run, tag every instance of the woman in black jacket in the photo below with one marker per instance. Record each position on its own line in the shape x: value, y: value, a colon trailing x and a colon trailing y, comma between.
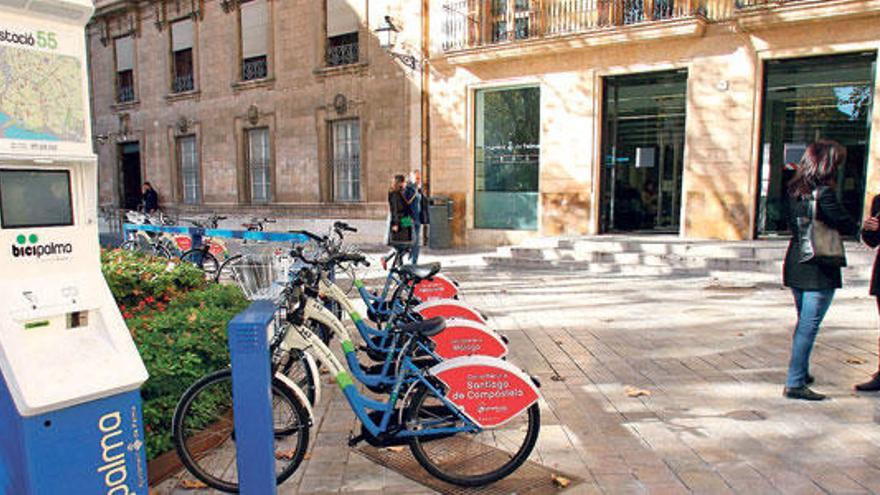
x: 813, y: 284
x: 400, y: 224
x: 871, y: 237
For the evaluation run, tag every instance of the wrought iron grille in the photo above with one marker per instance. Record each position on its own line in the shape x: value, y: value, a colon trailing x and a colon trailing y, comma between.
x: 342, y: 54
x: 254, y: 68
x: 183, y: 83
x: 125, y: 93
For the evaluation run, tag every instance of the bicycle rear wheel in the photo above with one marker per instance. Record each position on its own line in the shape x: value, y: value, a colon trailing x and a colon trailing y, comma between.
x: 204, y: 435
x: 203, y: 260
x: 469, y: 459
x: 225, y: 269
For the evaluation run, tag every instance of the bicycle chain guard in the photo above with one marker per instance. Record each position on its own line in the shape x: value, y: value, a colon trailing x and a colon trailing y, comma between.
x: 436, y: 287
x: 449, y: 308
x: 467, y: 338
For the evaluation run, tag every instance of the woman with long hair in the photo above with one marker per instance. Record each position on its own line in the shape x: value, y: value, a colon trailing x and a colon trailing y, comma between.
x: 871, y: 237
x: 812, y: 283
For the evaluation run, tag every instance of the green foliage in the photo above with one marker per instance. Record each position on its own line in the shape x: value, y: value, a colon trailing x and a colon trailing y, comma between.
x: 178, y: 322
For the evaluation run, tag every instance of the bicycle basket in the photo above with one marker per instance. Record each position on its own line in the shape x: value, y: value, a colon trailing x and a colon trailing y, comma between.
x: 261, y: 276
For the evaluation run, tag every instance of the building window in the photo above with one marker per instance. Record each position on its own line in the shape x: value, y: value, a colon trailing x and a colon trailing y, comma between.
x: 507, y: 156
x: 190, y: 173
x: 343, y: 23
x: 124, y: 48
x: 806, y: 99
x: 345, y: 137
x: 254, y: 40
x: 259, y: 160
x: 183, y: 77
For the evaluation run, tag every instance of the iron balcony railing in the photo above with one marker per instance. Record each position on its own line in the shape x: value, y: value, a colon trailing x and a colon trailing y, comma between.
x: 474, y: 23
x: 470, y: 23
x: 342, y: 55
x: 183, y: 83
x: 254, y: 68
x: 125, y: 93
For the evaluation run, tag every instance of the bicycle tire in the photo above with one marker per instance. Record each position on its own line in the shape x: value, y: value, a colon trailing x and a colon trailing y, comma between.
x: 193, y: 461
x: 209, y: 263
x: 417, y: 446
x: 225, y: 267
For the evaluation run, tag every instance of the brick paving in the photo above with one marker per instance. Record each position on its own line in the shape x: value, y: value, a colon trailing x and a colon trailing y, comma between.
x: 710, y: 354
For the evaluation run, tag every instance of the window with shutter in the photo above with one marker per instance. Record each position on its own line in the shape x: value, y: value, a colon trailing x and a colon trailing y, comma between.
x: 182, y: 56
x: 259, y: 160
x: 190, y: 173
x: 254, y: 40
x: 345, y: 138
x: 124, y: 48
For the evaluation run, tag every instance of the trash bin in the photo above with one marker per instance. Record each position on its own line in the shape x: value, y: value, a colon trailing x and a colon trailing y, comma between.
x: 440, y: 233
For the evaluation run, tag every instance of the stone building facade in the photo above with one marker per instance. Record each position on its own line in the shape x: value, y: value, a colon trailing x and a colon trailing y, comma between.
x: 286, y: 108
x: 681, y: 116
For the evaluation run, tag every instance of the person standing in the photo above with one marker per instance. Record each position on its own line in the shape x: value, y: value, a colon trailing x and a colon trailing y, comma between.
x: 149, y: 198
x: 871, y: 237
x: 400, y: 216
x: 812, y: 283
x: 418, y: 204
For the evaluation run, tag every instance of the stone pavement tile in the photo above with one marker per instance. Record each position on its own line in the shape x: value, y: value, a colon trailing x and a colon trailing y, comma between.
x: 744, y: 479
x: 704, y: 481
x: 832, y: 480
x: 866, y: 475
x: 620, y: 484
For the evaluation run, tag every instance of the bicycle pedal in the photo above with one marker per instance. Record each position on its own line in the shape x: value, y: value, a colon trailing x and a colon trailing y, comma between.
x: 354, y: 440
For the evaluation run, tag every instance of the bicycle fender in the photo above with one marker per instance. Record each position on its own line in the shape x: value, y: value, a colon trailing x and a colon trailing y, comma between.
x: 488, y: 391
x: 299, y: 394
x: 463, y: 337
x: 449, y: 308
x: 313, y: 368
x: 436, y: 287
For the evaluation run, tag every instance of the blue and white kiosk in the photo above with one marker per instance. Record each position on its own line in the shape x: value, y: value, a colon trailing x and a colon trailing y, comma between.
x: 70, y: 409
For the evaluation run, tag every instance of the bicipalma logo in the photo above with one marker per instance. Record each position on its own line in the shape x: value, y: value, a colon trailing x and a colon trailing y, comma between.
x: 42, y: 39
x: 29, y: 246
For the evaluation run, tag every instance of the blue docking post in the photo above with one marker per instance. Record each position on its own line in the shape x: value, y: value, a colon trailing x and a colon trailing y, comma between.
x: 252, y: 398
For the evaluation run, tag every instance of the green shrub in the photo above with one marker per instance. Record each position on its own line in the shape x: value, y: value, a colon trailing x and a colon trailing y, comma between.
x: 178, y: 322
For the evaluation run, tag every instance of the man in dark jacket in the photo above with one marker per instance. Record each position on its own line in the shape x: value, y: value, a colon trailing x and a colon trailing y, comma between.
x: 150, y: 198
x: 418, y: 204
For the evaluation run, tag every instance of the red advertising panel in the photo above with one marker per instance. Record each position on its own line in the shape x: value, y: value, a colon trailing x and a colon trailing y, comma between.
x: 184, y: 243
x: 489, y: 391
x: 436, y: 287
x: 449, y: 308
x: 216, y: 249
x: 467, y: 338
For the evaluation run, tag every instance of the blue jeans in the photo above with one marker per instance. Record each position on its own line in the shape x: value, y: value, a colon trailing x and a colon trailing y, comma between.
x: 811, y: 307
x: 416, y: 243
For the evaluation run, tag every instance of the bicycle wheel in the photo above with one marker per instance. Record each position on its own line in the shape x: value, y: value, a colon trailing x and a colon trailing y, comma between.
x: 469, y: 459
x: 205, y: 261
x: 225, y: 270
x: 204, y: 436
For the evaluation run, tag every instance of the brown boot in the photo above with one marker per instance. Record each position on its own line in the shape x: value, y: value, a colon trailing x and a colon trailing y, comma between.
x: 870, y: 386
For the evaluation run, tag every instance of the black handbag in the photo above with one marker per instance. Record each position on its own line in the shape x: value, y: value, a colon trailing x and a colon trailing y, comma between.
x: 819, y: 244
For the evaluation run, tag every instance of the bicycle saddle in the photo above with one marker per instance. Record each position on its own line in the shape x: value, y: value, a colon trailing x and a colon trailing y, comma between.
x: 426, y: 328
x: 419, y: 272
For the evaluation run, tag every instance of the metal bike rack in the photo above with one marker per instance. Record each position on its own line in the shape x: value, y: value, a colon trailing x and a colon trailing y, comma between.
x: 198, y: 233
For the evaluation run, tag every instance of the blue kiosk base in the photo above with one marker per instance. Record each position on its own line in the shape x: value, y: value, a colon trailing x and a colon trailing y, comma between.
x: 91, y: 448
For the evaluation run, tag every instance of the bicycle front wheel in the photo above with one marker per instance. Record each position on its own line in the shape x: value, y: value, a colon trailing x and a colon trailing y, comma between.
x: 204, y: 435
x: 469, y: 459
x: 203, y: 260
x: 225, y: 270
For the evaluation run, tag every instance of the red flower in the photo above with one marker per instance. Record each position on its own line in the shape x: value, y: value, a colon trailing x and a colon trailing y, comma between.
x: 127, y: 315
x: 150, y: 300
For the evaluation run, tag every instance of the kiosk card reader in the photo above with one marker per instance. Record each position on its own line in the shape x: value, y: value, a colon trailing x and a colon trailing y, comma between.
x: 70, y: 409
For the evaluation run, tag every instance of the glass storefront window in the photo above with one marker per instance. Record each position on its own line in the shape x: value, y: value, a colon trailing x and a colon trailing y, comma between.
x: 808, y: 99
x: 508, y: 126
x: 643, y: 151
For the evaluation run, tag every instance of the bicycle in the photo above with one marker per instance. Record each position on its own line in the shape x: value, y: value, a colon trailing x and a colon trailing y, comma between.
x: 160, y: 245
x: 204, y: 256
x: 255, y: 225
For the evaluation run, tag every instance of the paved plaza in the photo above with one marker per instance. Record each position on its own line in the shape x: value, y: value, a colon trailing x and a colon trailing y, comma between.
x: 660, y: 385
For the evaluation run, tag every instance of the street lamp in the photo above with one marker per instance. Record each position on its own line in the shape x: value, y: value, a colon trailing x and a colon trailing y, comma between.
x: 387, y: 34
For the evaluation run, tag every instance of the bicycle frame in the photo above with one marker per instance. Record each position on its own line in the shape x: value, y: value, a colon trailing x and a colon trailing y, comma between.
x: 410, y: 376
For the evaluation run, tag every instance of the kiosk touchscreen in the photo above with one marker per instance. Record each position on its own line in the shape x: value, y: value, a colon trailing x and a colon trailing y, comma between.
x: 70, y: 409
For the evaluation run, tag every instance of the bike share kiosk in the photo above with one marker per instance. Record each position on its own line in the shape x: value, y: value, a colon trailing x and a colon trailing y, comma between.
x: 70, y: 410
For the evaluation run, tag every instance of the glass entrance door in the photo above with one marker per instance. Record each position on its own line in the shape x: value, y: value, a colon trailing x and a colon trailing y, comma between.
x: 808, y: 99
x: 643, y: 151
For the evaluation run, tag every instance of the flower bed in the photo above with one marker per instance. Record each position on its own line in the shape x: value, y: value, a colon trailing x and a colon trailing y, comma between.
x: 178, y: 321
